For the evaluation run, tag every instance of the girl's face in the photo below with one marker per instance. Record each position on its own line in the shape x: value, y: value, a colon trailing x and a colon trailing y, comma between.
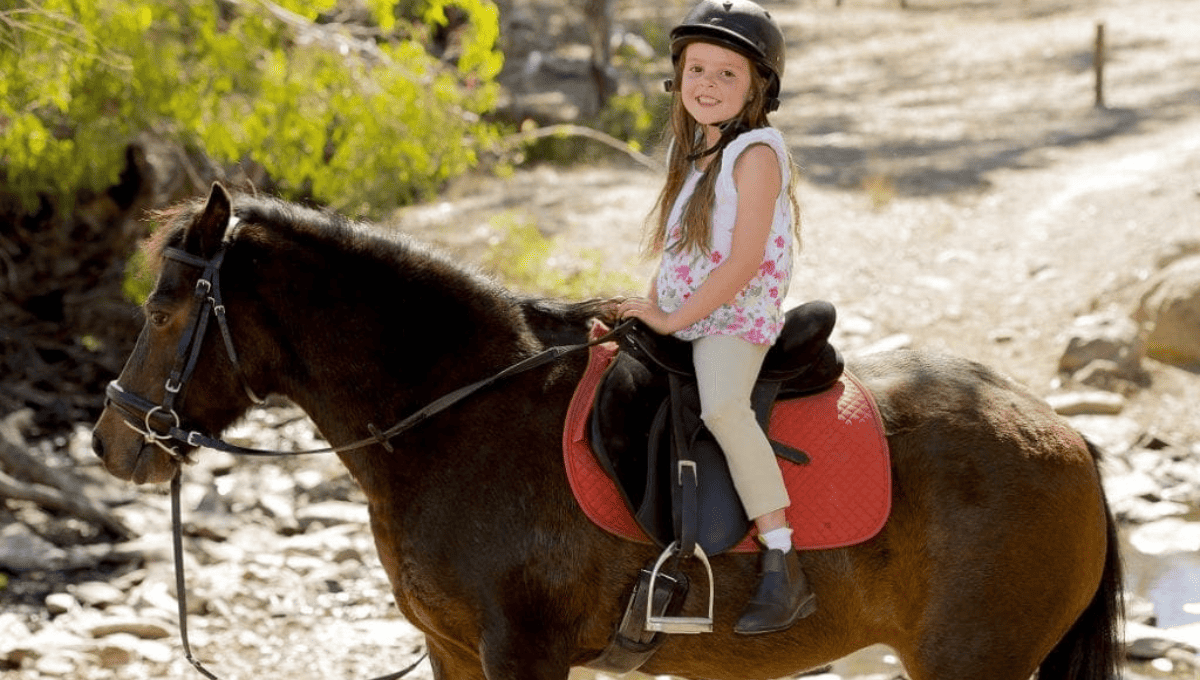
x: 716, y: 83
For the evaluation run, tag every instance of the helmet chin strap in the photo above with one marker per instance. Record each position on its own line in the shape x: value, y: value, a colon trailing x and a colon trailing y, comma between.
x: 729, y: 129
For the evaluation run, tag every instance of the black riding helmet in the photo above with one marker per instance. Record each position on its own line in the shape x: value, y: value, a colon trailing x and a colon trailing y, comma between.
x: 742, y: 26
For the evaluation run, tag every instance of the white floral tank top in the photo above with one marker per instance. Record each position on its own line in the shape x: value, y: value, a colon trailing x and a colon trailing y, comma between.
x: 755, y: 313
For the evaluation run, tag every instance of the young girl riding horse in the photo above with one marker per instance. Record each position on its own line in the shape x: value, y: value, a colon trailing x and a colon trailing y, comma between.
x: 725, y: 225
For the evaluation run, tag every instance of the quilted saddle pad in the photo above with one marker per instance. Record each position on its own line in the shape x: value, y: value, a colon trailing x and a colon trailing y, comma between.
x: 840, y: 498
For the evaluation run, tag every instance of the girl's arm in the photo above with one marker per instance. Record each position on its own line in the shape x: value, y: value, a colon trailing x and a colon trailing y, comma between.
x: 758, y: 180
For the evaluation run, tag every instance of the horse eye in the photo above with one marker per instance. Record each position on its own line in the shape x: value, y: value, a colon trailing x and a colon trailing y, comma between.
x: 157, y: 318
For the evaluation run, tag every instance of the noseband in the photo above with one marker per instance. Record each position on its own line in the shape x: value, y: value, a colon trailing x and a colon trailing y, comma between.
x: 138, y: 411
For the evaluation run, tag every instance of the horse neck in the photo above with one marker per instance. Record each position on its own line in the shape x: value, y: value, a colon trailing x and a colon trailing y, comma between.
x: 372, y: 343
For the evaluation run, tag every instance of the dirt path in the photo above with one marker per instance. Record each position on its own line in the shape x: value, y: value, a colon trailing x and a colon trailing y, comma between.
x: 959, y: 186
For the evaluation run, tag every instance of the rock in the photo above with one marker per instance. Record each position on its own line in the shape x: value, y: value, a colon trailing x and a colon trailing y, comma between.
x: 1148, y: 648
x: 329, y: 542
x: 1087, y: 403
x: 60, y: 603
x: 113, y: 656
x: 12, y: 632
x: 97, y: 594
x: 1147, y: 642
x: 145, y: 630
x: 1171, y: 535
x: 1170, y: 310
x: 1114, y: 434
x: 56, y: 665
x: 1104, y: 375
x: 121, y: 649
x: 1106, y: 337
x: 330, y: 513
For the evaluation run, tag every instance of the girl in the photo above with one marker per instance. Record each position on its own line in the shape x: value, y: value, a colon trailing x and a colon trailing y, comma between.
x: 725, y: 224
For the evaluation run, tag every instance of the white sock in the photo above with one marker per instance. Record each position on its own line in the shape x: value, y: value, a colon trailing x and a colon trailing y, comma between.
x: 778, y: 539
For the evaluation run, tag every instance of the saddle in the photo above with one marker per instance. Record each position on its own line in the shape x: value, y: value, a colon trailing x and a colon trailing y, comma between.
x: 647, y: 435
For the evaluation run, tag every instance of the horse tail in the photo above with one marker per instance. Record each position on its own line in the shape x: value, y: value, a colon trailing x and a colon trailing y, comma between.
x: 1091, y: 649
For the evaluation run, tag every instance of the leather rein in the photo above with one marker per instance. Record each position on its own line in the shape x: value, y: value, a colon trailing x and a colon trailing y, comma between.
x: 141, y: 414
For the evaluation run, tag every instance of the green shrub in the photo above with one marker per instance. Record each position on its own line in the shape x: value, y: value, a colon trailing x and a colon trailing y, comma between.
x: 524, y: 259
x: 359, y: 125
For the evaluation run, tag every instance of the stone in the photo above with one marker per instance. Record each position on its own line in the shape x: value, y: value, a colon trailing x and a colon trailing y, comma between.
x: 1167, y: 536
x: 145, y: 630
x: 56, y: 665
x: 97, y: 594
x: 1170, y: 311
x: 61, y: 603
x: 1093, y: 402
x: 329, y: 513
x: 1108, y: 337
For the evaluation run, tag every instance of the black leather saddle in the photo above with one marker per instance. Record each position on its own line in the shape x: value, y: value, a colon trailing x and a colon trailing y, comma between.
x: 647, y: 433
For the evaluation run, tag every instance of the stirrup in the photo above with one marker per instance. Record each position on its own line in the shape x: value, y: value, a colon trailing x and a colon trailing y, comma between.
x: 680, y: 624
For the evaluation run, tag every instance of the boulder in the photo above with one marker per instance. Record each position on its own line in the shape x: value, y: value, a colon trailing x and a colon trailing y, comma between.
x: 1169, y: 310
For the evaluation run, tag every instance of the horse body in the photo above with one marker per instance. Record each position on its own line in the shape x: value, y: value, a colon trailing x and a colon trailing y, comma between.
x: 999, y: 553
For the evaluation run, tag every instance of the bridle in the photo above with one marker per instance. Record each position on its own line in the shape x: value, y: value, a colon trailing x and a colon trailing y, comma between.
x: 141, y: 414
x: 137, y: 411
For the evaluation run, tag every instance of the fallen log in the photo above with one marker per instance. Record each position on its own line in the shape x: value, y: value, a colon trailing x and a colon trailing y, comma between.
x: 24, y: 477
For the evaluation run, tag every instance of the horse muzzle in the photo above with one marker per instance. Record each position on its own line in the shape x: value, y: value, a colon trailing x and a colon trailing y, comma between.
x: 138, y: 440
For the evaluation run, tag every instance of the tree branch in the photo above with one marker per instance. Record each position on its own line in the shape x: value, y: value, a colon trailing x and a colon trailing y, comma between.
x: 567, y: 129
x: 49, y: 488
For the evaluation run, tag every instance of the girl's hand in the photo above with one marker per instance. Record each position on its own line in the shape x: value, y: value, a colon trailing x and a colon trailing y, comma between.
x: 648, y: 313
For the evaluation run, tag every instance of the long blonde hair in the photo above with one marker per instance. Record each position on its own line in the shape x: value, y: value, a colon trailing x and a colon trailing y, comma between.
x: 685, y: 140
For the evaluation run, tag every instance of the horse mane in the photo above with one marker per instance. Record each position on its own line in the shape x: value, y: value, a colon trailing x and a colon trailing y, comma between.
x: 552, y: 321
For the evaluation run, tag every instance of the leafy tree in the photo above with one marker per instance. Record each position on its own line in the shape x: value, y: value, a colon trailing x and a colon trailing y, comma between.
x: 361, y: 115
x: 361, y: 118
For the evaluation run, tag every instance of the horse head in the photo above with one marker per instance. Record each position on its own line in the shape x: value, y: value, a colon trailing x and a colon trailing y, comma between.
x: 178, y: 378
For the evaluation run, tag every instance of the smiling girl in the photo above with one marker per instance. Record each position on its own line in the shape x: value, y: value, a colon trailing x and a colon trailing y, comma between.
x: 725, y: 225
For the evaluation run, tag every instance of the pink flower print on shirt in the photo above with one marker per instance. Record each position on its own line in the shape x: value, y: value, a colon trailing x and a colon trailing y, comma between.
x: 767, y: 267
x: 774, y: 292
x: 779, y: 242
x: 716, y: 257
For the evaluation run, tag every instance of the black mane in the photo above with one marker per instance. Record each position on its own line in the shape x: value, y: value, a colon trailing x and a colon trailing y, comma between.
x: 552, y: 321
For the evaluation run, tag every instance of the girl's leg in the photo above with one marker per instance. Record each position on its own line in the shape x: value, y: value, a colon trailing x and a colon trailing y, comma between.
x: 726, y: 370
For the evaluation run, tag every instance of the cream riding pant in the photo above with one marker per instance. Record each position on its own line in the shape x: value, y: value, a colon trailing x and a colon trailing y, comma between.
x: 726, y: 370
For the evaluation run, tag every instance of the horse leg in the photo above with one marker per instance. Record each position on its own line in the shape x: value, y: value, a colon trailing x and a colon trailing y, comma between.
x: 450, y: 664
x: 998, y: 613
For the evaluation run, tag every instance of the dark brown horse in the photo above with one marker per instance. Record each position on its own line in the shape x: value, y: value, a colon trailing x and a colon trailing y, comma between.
x: 999, y: 559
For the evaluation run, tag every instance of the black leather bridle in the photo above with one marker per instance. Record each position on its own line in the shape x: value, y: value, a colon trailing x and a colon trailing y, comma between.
x: 141, y: 414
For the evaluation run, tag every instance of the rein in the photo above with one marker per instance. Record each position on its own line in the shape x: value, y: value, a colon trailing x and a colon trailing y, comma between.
x: 139, y: 412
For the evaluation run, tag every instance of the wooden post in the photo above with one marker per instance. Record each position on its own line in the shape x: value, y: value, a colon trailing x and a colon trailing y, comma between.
x: 1098, y: 65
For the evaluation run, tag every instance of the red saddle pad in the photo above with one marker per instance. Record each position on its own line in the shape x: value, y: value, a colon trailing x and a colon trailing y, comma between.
x: 840, y: 498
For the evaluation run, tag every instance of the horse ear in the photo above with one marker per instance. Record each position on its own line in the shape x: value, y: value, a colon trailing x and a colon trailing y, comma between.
x: 205, y: 234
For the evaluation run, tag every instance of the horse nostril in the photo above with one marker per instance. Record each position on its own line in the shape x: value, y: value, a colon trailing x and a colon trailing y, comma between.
x: 97, y: 445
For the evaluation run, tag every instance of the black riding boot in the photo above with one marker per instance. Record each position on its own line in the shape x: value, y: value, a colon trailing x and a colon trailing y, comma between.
x: 783, y: 595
